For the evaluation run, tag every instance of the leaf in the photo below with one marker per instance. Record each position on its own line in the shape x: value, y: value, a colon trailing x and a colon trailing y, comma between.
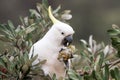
x: 73, y: 75
x: 91, y: 41
x: 26, y: 57
x: 33, y: 58
x: 115, y: 73
x: 34, y: 12
x: 115, y: 40
x: 66, y: 16
x: 57, y: 9
x: 4, y: 39
x: 11, y: 28
x: 38, y: 7
x: 112, y: 73
x: 40, y: 63
x: 116, y: 44
x: 93, y: 74
x: 3, y: 74
x: 30, y: 28
x: 45, y: 3
x: 54, y: 77
x: 84, y: 42
x: 106, y: 72
x: 19, y: 42
x: 106, y: 50
x: 97, y: 66
x: 11, y: 25
x: 100, y: 61
x: 2, y: 63
x: 4, y: 29
x: 114, y: 32
x: 22, y: 21
x: 96, y: 75
x: 26, y: 21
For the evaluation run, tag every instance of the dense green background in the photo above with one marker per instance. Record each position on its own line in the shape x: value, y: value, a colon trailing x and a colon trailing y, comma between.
x: 89, y: 16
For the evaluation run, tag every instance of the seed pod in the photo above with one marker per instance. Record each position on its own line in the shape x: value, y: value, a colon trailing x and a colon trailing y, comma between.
x: 25, y: 68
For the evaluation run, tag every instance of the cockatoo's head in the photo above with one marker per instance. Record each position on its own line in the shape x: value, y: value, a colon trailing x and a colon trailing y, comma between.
x: 62, y: 31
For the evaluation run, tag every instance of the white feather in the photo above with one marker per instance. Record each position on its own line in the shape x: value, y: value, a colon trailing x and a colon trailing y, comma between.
x: 49, y: 46
x: 48, y: 49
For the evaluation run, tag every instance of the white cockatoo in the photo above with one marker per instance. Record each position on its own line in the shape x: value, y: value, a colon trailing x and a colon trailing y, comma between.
x: 47, y: 48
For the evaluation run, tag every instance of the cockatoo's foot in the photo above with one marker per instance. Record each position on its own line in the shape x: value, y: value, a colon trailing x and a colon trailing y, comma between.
x: 66, y: 53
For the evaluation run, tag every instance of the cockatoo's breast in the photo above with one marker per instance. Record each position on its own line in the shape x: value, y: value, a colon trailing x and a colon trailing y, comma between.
x: 50, y: 54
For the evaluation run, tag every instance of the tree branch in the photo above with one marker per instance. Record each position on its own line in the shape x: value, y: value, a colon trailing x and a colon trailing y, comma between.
x: 114, y: 63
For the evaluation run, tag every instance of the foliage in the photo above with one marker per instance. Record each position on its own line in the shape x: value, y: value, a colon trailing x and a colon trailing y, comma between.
x: 14, y: 61
x: 96, y: 61
x: 99, y: 62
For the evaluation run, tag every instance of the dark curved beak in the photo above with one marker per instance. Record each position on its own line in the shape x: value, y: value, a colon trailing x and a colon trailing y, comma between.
x: 67, y: 40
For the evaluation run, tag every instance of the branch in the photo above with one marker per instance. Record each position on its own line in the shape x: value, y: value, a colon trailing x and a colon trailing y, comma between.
x: 114, y: 63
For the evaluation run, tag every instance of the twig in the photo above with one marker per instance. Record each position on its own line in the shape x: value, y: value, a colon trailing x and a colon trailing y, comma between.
x: 114, y: 63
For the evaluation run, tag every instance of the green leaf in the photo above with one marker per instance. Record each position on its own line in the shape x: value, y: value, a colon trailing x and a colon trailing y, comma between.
x: 1, y: 73
x: 114, y: 32
x: 112, y: 73
x: 26, y: 57
x: 45, y: 3
x: 30, y: 28
x: 19, y: 42
x: 115, y: 73
x: 40, y: 63
x: 57, y: 9
x: 4, y: 39
x: 34, y: 13
x: 73, y: 75
x: 33, y: 58
x: 39, y: 7
x: 106, y: 72
x: 97, y: 66
x: 11, y: 28
x: 116, y: 44
x: 11, y: 25
x: 4, y: 29
x: 101, y: 61
x: 2, y: 63
x: 22, y: 21
x: 54, y: 77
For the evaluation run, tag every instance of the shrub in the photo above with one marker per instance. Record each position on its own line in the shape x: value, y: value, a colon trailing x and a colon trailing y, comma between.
x: 93, y: 62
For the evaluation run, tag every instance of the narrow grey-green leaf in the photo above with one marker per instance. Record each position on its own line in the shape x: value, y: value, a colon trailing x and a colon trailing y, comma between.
x: 106, y: 72
x: 11, y: 25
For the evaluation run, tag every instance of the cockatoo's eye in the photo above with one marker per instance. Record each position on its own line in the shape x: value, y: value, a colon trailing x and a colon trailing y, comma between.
x: 62, y: 33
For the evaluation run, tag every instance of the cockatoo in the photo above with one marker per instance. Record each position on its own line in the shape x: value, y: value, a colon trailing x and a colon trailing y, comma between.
x: 48, y: 48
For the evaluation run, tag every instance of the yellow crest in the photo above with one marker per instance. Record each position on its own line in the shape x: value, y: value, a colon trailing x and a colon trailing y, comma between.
x: 54, y: 20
